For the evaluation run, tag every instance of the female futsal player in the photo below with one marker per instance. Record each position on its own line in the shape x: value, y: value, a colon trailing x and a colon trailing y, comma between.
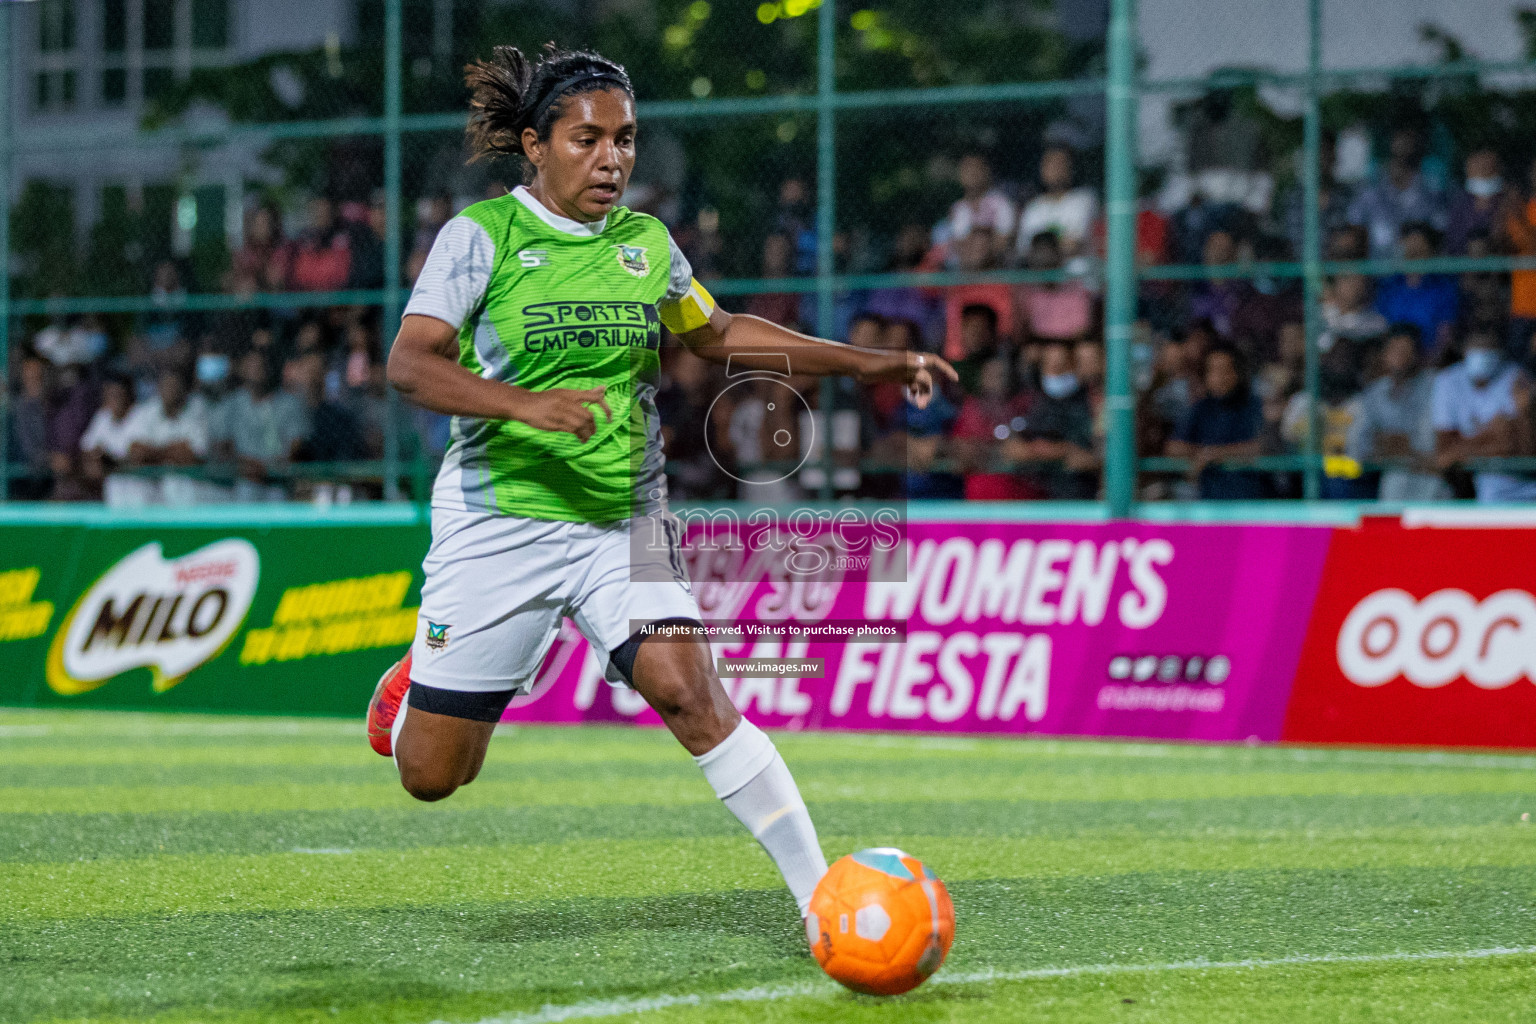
x: 536, y: 324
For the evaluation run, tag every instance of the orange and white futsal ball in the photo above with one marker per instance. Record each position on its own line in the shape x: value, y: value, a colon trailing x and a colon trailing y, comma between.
x: 880, y: 922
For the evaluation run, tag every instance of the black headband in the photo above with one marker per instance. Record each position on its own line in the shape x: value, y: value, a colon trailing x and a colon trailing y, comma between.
x: 560, y: 87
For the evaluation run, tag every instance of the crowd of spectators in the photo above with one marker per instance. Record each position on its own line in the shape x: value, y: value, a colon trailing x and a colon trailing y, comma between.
x: 252, y: 404
x: 1421, y: 375
x: 285, y: 408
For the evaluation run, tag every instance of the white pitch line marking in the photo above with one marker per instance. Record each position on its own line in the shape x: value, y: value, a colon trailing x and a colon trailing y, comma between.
x: 333, y: 850
x: 597, y: 1009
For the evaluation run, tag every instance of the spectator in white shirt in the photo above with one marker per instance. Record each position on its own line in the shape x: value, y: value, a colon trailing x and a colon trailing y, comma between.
x: 982, y: 205
x: 171, y: 431
x: 259, y: 427
x: 105, y: 442
x: 1059, y: 208
x: 1482, y: 410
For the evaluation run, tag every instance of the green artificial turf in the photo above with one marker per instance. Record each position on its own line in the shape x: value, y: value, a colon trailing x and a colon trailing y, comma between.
x: 187, y: 869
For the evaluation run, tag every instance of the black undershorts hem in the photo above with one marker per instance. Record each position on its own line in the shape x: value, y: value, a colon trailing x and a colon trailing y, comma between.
x: 476, y: 706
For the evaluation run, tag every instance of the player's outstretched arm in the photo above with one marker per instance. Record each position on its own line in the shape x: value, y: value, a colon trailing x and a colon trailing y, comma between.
x: 759, y: 344
x: 424, y: 367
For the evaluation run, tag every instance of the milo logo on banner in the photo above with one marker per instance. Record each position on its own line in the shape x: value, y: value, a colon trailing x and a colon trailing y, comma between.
x: 169, y: 616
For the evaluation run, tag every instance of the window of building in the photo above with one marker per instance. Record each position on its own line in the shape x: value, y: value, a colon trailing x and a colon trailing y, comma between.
x: 56, y: 26
x: 55, y: 90
x: 159, y: 24
x: 210, y: 24
x: 114, y: 87
x: 53, y: 87
x: 147, y: 45
x: 157, y: 82
x: 114, y: 25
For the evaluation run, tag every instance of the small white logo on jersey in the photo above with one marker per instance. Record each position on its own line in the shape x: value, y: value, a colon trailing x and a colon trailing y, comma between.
x: 534, y: 258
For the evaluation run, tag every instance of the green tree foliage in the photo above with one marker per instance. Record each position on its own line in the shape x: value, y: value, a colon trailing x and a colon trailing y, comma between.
x: 43, y: 240
x: 682, y: 50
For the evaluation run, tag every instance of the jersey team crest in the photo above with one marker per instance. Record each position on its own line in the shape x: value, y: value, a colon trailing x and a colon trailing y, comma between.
x: 632, y: 258
x: 437, y: 636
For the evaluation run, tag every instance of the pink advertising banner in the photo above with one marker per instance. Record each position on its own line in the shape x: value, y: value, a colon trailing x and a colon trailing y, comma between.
x: 1126, y: 629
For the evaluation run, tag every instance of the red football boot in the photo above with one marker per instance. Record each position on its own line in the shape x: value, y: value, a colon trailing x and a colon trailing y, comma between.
x: 385, y: 704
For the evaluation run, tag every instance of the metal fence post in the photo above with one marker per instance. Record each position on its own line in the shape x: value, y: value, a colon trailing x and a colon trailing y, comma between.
x: 826, y: 214
x: 5, y: 247
x: 1311, y: 256
x: 1120, y: 293
x: 392, y: 186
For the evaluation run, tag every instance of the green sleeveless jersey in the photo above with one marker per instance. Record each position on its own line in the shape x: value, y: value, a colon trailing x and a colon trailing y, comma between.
x: 543, y: 302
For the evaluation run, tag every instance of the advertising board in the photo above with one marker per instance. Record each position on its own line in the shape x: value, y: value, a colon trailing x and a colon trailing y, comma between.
x: 1414, y: 631
x: 294, y: 619
x: 1173, y: 632
x: 1422, y: 635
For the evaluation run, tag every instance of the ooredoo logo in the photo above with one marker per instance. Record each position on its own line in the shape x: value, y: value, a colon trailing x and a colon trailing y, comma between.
x: 147, y: 612
x: 1446, y: 636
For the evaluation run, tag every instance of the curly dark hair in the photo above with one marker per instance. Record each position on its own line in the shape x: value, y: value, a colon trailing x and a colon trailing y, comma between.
x: 509, y: 94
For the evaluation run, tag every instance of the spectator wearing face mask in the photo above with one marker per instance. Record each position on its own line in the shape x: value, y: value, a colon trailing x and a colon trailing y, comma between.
x: 1394, y: 421
x: 1225, y: 424
x: 1059, y: 429
x: 1481, y: 205
x: 353, y: 370
x: 212, y: 371
x: 1481, y: 409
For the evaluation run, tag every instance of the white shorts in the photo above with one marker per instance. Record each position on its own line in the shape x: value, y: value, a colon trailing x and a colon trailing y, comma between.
x: 497, y: 588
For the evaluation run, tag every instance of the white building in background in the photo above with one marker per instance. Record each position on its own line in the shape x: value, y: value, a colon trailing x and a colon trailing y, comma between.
x: 82, y: 71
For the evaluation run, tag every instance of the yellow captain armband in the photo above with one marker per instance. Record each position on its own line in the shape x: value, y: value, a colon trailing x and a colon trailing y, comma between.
x: 688, y: 313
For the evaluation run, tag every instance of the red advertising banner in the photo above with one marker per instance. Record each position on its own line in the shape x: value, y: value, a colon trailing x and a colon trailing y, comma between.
x: 1422, y: 633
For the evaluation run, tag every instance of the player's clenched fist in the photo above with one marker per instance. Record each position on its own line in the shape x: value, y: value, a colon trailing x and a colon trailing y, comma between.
x: 564, y: 409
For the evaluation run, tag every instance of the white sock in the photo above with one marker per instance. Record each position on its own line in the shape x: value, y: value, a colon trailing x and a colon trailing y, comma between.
x: 394, y: 730
x: 752, y: 780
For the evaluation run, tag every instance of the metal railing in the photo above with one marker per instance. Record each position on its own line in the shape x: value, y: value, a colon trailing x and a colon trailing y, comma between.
x: 1122, y: 89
